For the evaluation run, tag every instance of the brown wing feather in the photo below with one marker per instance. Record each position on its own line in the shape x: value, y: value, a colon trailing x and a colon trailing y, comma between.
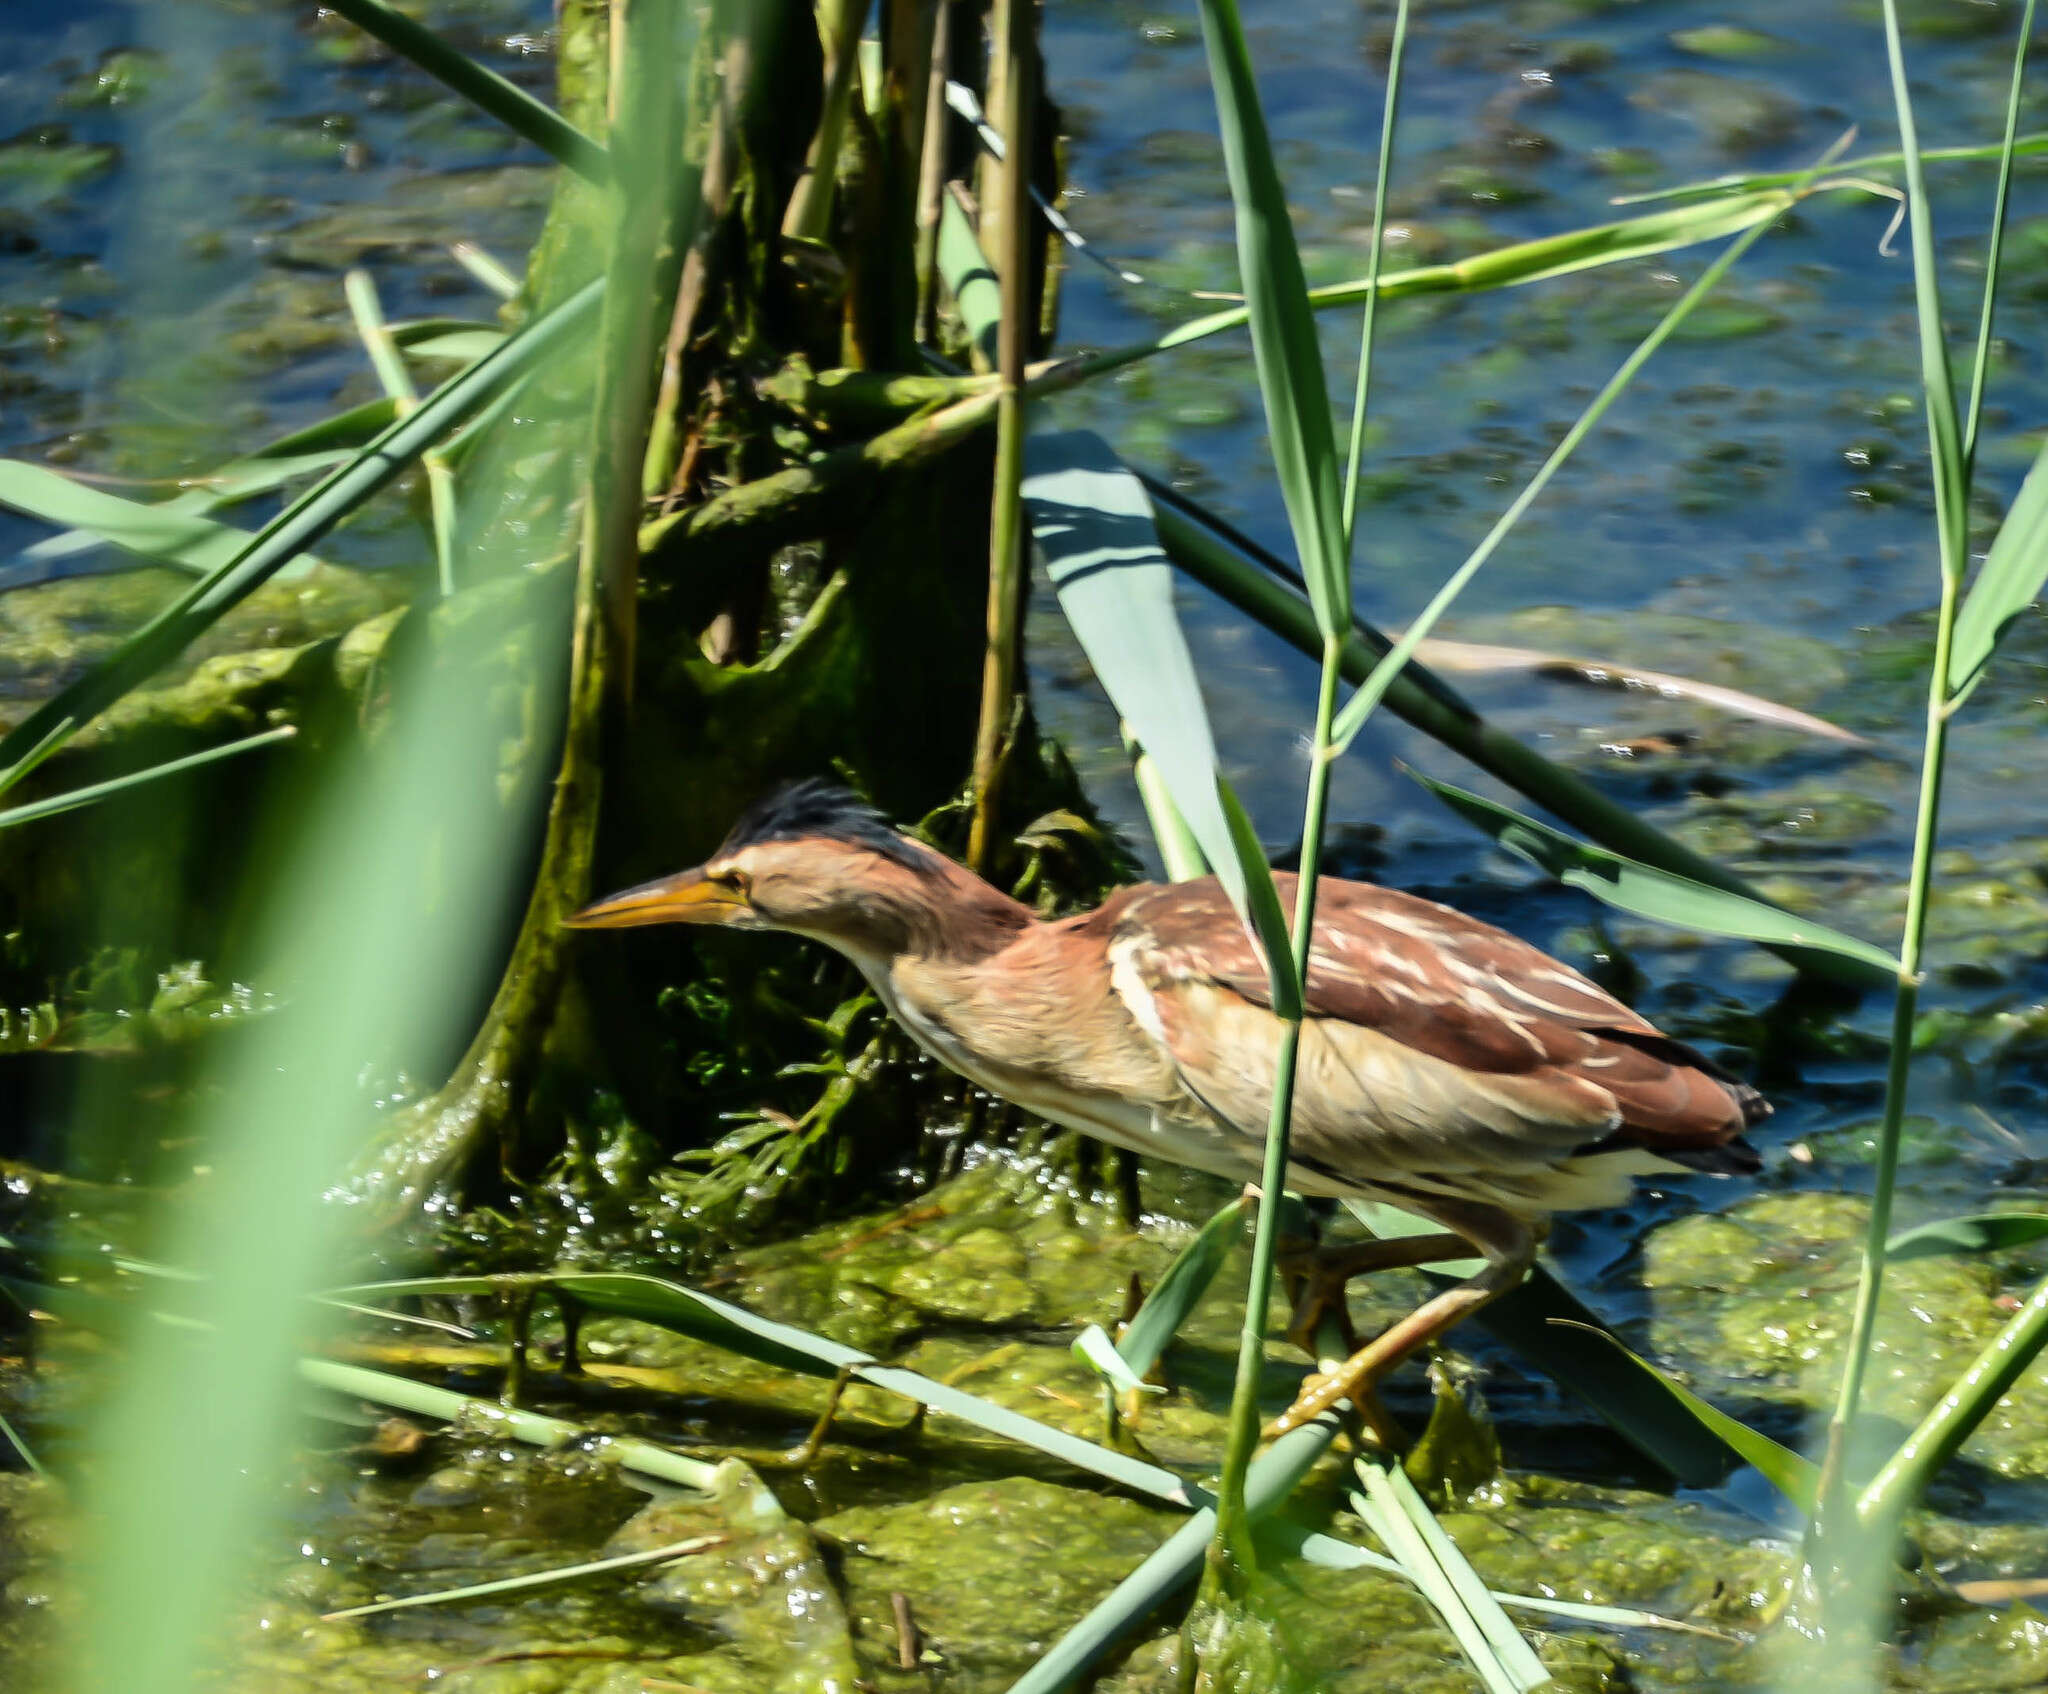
x: 1448, y: 986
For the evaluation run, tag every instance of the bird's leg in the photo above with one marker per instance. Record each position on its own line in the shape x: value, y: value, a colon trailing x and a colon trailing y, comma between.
x: 1510, y: 1248
x: 1315, y: 1276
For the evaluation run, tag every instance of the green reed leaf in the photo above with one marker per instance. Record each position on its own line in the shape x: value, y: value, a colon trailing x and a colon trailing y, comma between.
x: 1428, y: 1558
x: 534, y: 1579
x: 1795, y: 1477
x: 977, y: 291
x: 1972, y: 1398
x: 2007, y: 584
x: 1863, y: 165
x: 1980, y: 364
x: 382, y: 1388
x: 94, y: 792
x: 1512, y: 266
x: 1374, y: 689
x: 1179, y: 851
x: 1331, y: 1554
x: 510, y: 104
x: 1262, y: 898
x: 1180, y: 1289
x: 464, y: 346
x: 1651, y: 893
x: 1283, y: 325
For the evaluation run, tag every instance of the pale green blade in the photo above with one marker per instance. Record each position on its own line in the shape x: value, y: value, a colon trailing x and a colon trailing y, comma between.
x: 977, y: 294
x: 1398, y: 1517
x: 174, y: 533
x: 463, y: 345
x: 534, y: 1579
x: 382, y: 1388
x: 1650, y: 893
x: 671, y: 1306
x: 1092, y: 524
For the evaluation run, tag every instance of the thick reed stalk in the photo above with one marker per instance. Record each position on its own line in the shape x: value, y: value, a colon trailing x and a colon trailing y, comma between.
x: 1006, y: 574
x: 1232, y: 1546
x: 1951, y: 502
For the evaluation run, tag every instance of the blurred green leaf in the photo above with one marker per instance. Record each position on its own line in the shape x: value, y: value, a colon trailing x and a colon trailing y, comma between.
x: 1980, y: 1232
x: 284, y: 538
x: 1651, y: 893
x: 463, y: 345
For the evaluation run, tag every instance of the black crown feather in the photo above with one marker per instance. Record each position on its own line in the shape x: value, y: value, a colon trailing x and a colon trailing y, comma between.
x: 817, y: 806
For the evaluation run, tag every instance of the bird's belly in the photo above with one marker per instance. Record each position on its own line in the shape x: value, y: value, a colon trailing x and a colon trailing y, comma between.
x: 1183, y: 1138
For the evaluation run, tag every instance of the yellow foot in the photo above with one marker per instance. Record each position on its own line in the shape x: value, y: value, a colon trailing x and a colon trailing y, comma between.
x: 1354, y: 1380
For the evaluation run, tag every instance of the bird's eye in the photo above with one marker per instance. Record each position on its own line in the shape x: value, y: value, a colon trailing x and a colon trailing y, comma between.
x: 731, y: 881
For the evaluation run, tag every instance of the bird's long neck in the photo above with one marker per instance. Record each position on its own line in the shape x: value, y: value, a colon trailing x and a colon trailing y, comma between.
x: 956, y: 918
x: 941, y: 914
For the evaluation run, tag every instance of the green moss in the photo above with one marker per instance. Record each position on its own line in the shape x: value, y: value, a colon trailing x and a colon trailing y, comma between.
x: 1729, y: 41
x: 994, y: 1573
x: 1756, y: 1302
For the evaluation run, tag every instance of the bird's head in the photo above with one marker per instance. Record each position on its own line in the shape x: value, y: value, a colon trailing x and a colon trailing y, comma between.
x: 813, y: 859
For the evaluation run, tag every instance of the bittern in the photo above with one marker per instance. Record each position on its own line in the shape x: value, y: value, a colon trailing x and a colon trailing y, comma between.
x: 1445, y: 1066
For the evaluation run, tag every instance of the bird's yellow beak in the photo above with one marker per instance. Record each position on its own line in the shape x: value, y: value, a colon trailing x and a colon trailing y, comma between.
x: 687, y: 897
